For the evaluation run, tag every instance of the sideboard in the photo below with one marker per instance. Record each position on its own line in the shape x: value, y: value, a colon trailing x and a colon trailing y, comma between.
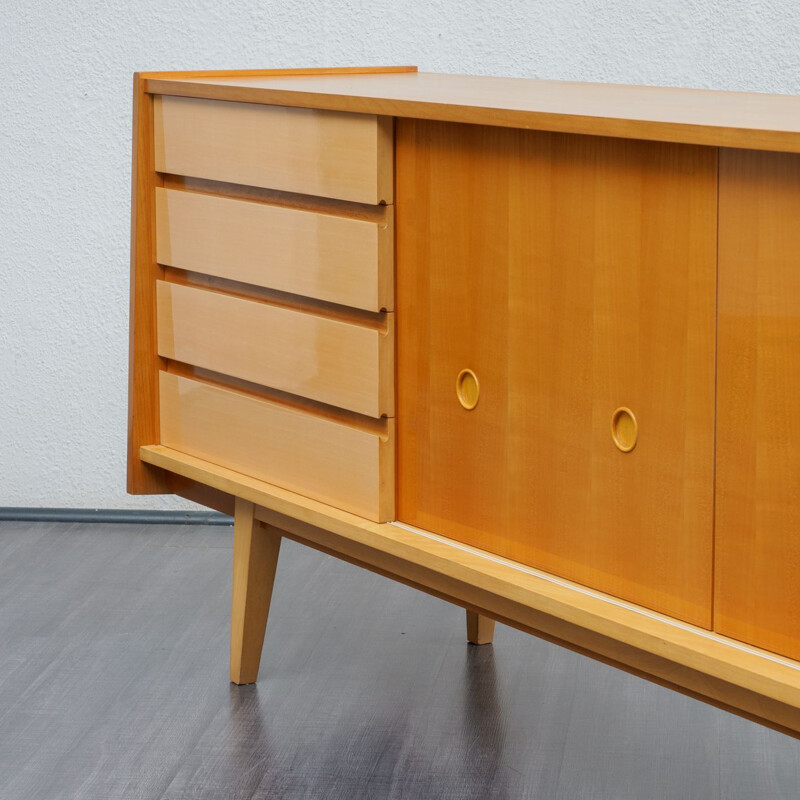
x: 529, y: 346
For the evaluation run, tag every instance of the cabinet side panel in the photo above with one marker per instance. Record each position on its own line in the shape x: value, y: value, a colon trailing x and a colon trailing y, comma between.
x: 144, y: 363
x: 757, y: 574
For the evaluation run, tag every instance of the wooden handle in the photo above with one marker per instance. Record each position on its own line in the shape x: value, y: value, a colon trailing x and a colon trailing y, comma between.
x: 467, y: 389
x: 624, y: 429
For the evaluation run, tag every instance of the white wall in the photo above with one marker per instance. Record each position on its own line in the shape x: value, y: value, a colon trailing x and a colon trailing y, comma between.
x: 65, y: 87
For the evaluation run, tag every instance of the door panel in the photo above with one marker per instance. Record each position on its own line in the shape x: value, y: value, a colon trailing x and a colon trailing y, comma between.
x: 574, y: 275
x: 758, y: 419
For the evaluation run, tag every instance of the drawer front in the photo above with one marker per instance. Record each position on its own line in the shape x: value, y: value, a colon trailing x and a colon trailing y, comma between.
x: 339, y: 363
x: 333, y: 258
x: 327, y: 153
x: 344, y: 466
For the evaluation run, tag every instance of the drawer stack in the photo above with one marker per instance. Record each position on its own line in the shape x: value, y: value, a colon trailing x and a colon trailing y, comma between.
x: 274, y: 229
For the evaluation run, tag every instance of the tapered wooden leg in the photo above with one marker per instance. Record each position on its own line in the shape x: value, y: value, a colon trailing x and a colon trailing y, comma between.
x: 255, y: 558
x: 480, y: 629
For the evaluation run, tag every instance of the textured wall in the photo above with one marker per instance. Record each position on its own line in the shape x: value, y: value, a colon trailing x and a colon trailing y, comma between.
x: 65, y: 159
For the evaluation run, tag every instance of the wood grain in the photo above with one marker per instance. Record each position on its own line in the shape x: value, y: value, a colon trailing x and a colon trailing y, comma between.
x: 757, y: 595
x: 200, y: 493
x: 345, y: 466
x: 329, y: 257
x: 327, y: 153
x: 294, y: 302
x: 573, y: 275
x: 656, y: 113
x: 681, y: 656
x: 255, y: 559
x: 273, y: 197
x: 265, y: 73
x: 338, y: 415
x: 338, y: 363
x: 144, y: 362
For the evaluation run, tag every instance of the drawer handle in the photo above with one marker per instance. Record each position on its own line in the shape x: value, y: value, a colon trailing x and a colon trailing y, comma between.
x: 467, y: 389
x: 624, y: 429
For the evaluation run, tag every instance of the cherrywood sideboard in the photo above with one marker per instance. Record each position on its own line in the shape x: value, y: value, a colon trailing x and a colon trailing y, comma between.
x: 529, y: 346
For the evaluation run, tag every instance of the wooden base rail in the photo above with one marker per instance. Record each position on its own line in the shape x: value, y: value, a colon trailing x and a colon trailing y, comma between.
x: 726, y: 673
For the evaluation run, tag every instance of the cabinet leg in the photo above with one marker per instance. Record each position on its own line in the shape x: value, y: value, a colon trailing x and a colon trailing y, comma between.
x: 255, y: 558
x: 480, y: 629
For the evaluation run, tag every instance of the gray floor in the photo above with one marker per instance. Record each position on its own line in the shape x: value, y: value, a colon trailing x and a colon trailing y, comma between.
x: 113, y: 684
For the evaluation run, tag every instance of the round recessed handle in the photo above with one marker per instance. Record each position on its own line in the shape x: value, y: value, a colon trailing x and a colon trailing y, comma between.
x: 624, y: 429
x: 467, y: 389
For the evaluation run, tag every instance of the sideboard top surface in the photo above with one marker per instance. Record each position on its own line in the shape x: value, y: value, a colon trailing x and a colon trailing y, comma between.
x: 694, y: 116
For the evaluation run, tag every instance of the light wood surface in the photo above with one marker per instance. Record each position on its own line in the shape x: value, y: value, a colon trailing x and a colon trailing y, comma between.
x: 327, y: 153
x: 573, y: 275
x: 293, y: 302
x: 345, y: 365
x: 744, y: 679
x: 272, y: 73
x: 255, y: 558
x: 480, y: 629
x: 200, y: 493
x: 758, y: 424
x: 348, y: 467
x: 693, y: 116
x: 326, y: 256
x: 144, y: 362
x: 274, y: 197
x: 337, y: 415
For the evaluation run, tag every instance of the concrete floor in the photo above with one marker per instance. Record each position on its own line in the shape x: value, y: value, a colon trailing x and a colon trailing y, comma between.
x: 113, y: 684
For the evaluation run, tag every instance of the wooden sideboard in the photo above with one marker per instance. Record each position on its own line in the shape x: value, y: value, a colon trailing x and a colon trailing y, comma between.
x: 529, y: 346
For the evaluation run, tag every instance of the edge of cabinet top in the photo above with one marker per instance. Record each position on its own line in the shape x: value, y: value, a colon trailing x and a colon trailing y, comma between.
x: 693, y: 116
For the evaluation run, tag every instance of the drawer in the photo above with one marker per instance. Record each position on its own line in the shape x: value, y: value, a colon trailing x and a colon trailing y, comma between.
x: 340, y: 363
x: 347, y: 467
x: 309, y: 151
x: 333, y: 258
